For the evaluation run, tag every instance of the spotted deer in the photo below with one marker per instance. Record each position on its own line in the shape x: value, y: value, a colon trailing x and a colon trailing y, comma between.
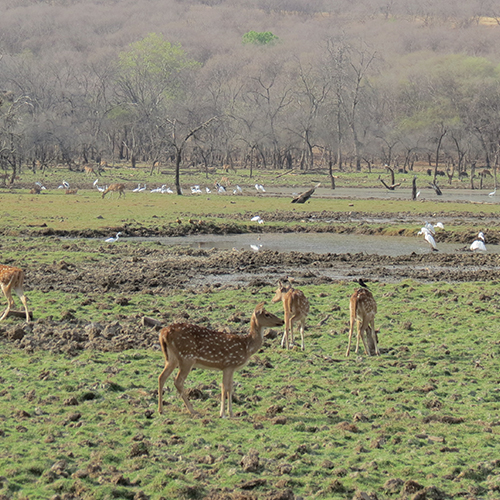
x: 296, y: 307
x: 120, y: 188
x: 89, y: 170
x: 188, y: 346
x: 363, y: 308
x: 12, y: 278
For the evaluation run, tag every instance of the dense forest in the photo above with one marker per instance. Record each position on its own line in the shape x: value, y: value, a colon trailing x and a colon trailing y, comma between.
x: 259, y: 83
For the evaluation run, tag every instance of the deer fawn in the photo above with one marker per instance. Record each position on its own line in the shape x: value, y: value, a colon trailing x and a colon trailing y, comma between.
x: 187, y: 346
x: 296, y: 307
x: 115, y: 187
x: 12, y: 278
x: 363, y: 308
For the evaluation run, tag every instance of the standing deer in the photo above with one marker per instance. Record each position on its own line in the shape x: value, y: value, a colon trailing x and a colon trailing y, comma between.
x: 115, y: 187
x: 363, y: 308
x: 89, y: 170
x: 187, y: 346
x: 296, y: 307
x: 12, y: 278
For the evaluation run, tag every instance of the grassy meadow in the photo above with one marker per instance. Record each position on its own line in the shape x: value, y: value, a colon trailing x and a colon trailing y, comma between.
x: 421, y: 419
x: 324, y: 426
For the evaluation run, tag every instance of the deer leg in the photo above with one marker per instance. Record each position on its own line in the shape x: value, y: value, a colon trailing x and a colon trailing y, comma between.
x: 285, y: 339
x: 10, y: 302
x: 302, y: 326
x: 350, y: 337
x: 22, y: 297
x: 374, y: 336
x: 227, y: 392
x: 292, y: 320
x: 363, y: 333
x: 184, y: 370
x: 169, y: 368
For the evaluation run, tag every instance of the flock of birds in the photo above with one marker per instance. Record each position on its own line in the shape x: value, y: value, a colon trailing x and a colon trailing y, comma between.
x: 196, y: 189
x: 429, y: 230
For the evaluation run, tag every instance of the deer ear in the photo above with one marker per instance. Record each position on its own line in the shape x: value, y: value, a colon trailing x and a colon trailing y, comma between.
x: 260, y: 307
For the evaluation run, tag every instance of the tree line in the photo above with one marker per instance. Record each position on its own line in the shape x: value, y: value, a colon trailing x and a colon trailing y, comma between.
x: 347, y: 98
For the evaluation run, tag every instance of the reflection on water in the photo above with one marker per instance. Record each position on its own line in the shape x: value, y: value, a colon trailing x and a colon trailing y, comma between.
x: 316, y: 242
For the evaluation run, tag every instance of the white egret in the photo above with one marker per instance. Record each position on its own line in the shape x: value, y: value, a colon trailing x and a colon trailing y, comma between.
x: 478, y: 245
x: 255, y: 248
x: 137, y: 188
x: 429, y: 227
x: 258, y: 219
x: 208, y: 190
x: 429, y: 238
x: 493, y: 193
x: 142, y: 188
x: 432, y: 227
x: 260, y: 187
x: 112, y: 240
x: 238, y: 190
x: 195, y: 189
x: 95, y: 182
x: 169, y: 190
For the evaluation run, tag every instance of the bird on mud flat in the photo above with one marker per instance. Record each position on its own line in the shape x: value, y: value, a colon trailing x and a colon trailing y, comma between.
x: 112, y: 240
x: 258, y: 219
x: 429, y: 238
x: 478, y: 245
x: 260, y: 188
x: 256, y: 248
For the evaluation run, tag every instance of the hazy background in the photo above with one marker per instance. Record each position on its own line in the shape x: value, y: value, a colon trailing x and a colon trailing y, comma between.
x: 345, y: 83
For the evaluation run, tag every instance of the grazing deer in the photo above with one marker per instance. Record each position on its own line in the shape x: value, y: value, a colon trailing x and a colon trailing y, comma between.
x: 187, y: 346
x: 296, y: 307
x: 363, y: 308
x: 12, y: 278
x: 115, y: 187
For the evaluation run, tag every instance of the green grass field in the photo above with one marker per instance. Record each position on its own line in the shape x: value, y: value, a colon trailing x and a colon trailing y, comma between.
x: 322, y: 425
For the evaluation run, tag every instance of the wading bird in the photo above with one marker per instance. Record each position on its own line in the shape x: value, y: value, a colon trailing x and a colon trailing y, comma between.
x: 478, y: 245
x: 112, y: 240
x: 429, y: 238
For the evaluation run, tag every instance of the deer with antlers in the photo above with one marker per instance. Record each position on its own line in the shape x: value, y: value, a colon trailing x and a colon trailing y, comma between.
x: 12, y: 278
x: 120, y: 188
x: 187, y: 346
x: 363, y: 308
x: 296, y: 307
